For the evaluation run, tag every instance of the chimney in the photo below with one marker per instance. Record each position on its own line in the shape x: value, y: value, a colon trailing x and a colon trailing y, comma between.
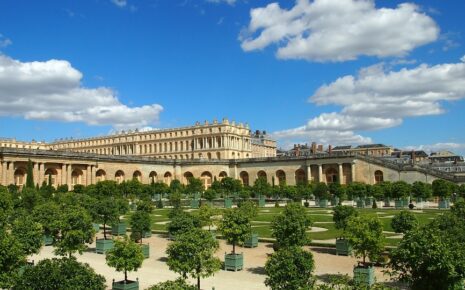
x: 330, y: 149
x: 320, y: 148
x: 313, y: 150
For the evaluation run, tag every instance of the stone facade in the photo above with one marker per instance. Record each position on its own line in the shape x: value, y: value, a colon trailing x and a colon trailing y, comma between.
x: 210, y: 141
x: 85, y: 168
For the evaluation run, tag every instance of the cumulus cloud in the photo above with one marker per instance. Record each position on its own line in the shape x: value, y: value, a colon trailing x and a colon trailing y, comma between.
x: 338, y: 30
x: 377, y: 99
x: 52, y: 90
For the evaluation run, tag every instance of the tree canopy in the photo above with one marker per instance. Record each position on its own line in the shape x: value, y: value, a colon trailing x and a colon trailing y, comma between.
x: 290, y: 226
x: 365, y: 234
x: 125, y: 256
x: 404, y: 221
x: 235, y: 227
x: 341, y: 215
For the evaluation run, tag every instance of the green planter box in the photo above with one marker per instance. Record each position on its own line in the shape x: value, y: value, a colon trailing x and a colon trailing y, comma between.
x: 96, y: 227
x: 387, y: 202
x: 234, y: 262
x: 228, y: 203
x: 101, y: 246
x: 444, y: 204
x: 118, y: 229
x: 195, y: 203
x: 335, y: 201
x: 368, y: 201
x: 156, y: 197
x: 147, y: 234
x: 48, y: 240
x: 419, y: 200
x: 24, y: 267
x: 343, y: 247
x: 133, y: 206
x: 122, y: 285
x: 213, y: 233
x: 399, y: 203
x: 323, y: 203
x: 145, y: 250
x: 197, y: 195
x: 364, y: 275
x: 261, y: 202
x: 360, y: 203
x: 252, y: 242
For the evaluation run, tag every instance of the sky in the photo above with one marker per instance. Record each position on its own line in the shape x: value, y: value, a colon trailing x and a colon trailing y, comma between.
x: 328, y: 71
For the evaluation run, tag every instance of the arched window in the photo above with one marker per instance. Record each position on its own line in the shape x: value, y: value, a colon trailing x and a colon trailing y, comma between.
x: 331, y: 175
x: 206, y: 178
x: 187, y: 177
x: 299, y: 176
x: 50, y: 176
x: 222, y: 175
x: 261, y: 174
x: 137, y: 176
x: 281, y: 176
x: 379, y: 176
x: 244, y: 178
x: 20, y: 176
x: 76, y: 177
x: 153, y: 177
x: 100, y: 175
x: 119, y: 176
x: 167, y: 178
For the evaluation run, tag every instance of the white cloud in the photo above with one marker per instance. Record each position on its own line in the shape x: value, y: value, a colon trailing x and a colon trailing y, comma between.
x: 120, y: 3
x: 4, y: 42
x: 454, y: 147
x: 377, y: 99
x: 52, y: 90
x: 230, y: 2
x: 338, y: 30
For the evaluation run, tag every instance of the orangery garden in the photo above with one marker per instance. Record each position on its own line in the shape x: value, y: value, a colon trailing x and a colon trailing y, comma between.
x: 391, y: 235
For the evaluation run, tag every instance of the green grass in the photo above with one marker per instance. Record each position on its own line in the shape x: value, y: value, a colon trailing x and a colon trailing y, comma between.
x: 262, y: 223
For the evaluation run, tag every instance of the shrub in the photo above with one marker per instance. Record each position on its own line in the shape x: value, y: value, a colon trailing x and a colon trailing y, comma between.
x: 404, y: 222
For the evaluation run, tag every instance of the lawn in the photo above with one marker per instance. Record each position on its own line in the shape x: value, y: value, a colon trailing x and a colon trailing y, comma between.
x: 321, y: 218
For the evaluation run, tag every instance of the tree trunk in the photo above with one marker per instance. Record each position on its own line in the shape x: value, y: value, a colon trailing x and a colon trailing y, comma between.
x: 234, y: 248
x: 125, y: 276
x: 104, y: 232
x: 198, y: 282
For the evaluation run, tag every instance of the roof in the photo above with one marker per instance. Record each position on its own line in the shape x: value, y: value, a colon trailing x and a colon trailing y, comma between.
x: 371, y: 146
x: 345, y: 147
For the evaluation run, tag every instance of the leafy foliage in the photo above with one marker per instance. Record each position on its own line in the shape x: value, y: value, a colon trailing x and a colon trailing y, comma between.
x: 65, y: 273
x: 106, y: 212
x: 12, y: 256
x: 29, y: 175
x: 235, y: 227
x: 441, y: 188
x: 290, y: 227
x: 49, y: 216
x: 400, y: 189
x: 290, y: 268
x: 181, y: 222
x: 178, y: 284
x: 29, y: 233
x: 125, y: 256
x: 320, y: 190
x: 261, y: 186
x: 365, y: 234
x: 249, y: 208
x: 192, y: 254
x: 404, y: 221
x: 356, y: 189
x: 422, y: 189
x: 140, y: 223
x: 341, y: 215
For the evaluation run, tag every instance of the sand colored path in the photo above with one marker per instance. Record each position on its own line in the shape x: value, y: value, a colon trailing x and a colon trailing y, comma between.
x: 155, y: 270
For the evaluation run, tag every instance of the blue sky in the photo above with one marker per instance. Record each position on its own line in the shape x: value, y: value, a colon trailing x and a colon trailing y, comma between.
x: 339, y: 72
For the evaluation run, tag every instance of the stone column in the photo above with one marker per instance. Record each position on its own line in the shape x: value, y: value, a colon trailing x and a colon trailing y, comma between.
x: 35, y: 172
x: 352, y: 168
x: 309, y: 173
x: 41, y: 173
x: 92, y: 174
x: 88, y: 175
x: 320, y: 173
x: 339, y: 171
x: 10, y: 177
x: 63, y: 174
x: 4, y: 169
x: 68, y: 176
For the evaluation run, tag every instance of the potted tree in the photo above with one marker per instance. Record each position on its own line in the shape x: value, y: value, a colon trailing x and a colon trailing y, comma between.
x: 404, y: 221
x: 401, y: 191
x: 321, y: 193
x: 181, y: 221
x: 192, y: 254
x: 442, y: 189
x: 106, y: 212
x: 140, y: 224
x: 290, y: 227
x: 340, y: 217
x: 236, y: 228
x: 48, y: 215
x: 119, y: 228
x: 337, y: 192
x: 209, y: 195
x: 125, y: 256
x: 146, y: 205
x: 204, y: 215
x: 357, y: 192
x: 250, y: 209
x: 421, y: 191
x: 365, y: 234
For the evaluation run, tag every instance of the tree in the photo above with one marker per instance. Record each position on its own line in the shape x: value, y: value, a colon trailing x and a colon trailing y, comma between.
x: 356, y: 189
x: 64, y: 273
x: 106, y: 188
x: 400, y: 189
x: 194, y: 185
x: 336, y: 189
x: 261, y: 186
x: 12, y: 257
x: 175, y: 199
x: 192, y: 254
x: 30, y: 198
x: 431, y: 257
x: 404, y: 221
x: 209, y: 194
x: 205, y: 214
x: 236, y: 227
x: 181, y: 222
x: 145, y: 205
x: 178, y: 284
x: 29, y: 175
x: 249, y: 208
x: 49, y: 216
x: 230, y: 185
x: 341, y: 215
x: 176, y: 186
x: 365, y: 234
x: 441, y: 188
x: 290, y: 227
x: 29, y: 233
x: 290, y: 268
x: 422, y: 190
x: 125, y: 256
x: 106, y: 212
x: 76, y: 230
x: 320, y: 190
x: 6, y: 206
x: 140, y: 223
